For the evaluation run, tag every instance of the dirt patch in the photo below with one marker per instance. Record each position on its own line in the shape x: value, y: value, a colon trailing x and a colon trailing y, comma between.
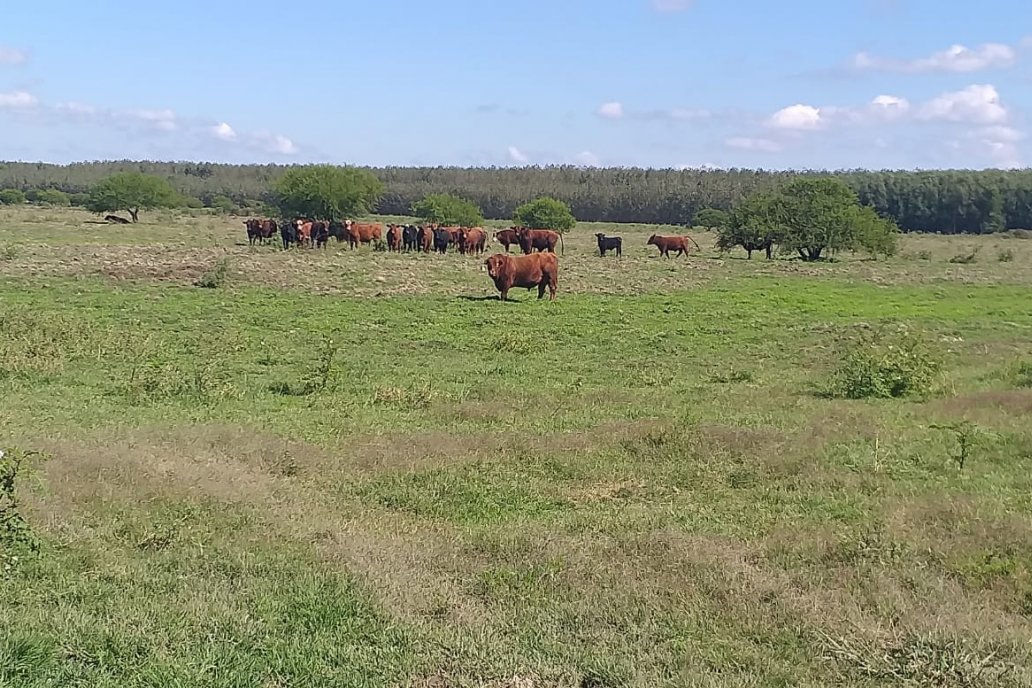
x: 987, y: 404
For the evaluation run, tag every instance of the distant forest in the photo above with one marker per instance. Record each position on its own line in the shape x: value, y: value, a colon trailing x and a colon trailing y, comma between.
x: 951, y: 202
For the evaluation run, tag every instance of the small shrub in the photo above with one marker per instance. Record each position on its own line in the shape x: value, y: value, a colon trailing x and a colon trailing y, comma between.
x: 966, y: 258
x: 924, y: 255
x: 215, y: 277
x: 968, y: 436
x: 8, y: 253
x: 731, y: 376
x: 1005, y: 256
x: 16, y: 537
x: 1023, y: 374
x: 883, y: 367
x: 11, y: 197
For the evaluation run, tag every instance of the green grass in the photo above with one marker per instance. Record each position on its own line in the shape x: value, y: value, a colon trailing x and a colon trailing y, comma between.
x: 285, y: 481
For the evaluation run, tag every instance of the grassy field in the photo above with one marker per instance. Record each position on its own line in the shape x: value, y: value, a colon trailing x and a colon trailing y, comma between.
x: 347, y: 468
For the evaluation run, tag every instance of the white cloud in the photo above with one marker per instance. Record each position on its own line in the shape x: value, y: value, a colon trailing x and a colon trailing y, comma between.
x: 976, y: 104
x: 587, y: 159
x: 12, y: 56
x: 671, y: 5
x: 223, y: 132
x: 613, y: 110
x: 751, y: 144
x: 516, y: 155
x: 18, y: 100
x: 272, y: 143
x: 797, y: 117
x: 76, y: 108
x: 956, y: 58
x: 1000, y: 144
x: 165, y: 120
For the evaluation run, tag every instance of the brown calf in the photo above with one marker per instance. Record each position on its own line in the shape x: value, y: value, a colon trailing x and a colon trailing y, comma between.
x: 666, y: 244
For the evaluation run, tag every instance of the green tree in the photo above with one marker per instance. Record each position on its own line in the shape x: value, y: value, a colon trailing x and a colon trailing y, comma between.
x: 711, y: 218
x: 327, y: 192
x: 52, y: 197
x: 753, y: 225
x: 11, y: 197
x: 446, y: 209
x: 875, y: 234
x: 133, y: 192
x: 812, y: 215
x: 545, y: 213
x: 79, y: 199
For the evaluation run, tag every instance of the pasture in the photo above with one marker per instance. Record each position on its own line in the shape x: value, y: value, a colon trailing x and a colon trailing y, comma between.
x: 358, y: 468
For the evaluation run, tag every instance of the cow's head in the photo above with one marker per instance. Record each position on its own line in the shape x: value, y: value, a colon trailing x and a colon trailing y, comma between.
x: 496, y: 264
x: 652, y: 240
x: 601, y: 237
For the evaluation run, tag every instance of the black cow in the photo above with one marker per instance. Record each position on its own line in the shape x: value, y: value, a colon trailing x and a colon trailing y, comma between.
x: 410, y: 238
x: 288, y: 233
x: 337, y: 231
x: 320, y: 233
x: 442, y: 237
x: 609, y: 244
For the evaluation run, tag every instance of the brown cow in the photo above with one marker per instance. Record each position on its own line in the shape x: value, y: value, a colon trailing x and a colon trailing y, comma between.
x: 665, y: 244
x: 362, y: 232
x: 394, y: 237
x: 472, y: 240
x: 540, y: 239
x: 304, y: 232
x: 426, y: 238
x: 535, y: 270
x: 506, y: 237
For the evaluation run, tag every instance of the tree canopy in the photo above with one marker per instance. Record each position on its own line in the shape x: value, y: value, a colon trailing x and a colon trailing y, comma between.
x: 327, y: 192
x: 133, y: 192
x: 946, y: 201
x: 446, y: 209
x: 711, y: 218
x: 545, y: 213
x: 809, y: 216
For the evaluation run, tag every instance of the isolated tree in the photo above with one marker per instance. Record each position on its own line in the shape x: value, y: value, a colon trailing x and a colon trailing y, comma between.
x: 327, y: 192
x: 814, y: 215
x: 545, y: 213
x: 711, y: 218
x: 11, y: 197
x: 753, y: 225
x: 132, y: 192
x: 446, y: 209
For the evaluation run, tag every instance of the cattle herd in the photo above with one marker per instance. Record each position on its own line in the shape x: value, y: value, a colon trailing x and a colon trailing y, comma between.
x: 530, y: 270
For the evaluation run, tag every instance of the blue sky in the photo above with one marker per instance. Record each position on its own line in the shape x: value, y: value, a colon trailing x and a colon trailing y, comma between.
x: 655, y: 83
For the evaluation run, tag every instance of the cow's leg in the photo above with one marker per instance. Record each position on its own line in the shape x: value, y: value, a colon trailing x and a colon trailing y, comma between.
x: 541, y: 287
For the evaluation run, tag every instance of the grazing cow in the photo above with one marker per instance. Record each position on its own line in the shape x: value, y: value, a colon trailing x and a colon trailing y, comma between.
x: 364, y: 233
x: 665, y: 244
x: 609, y: 244
x: 410, y: 238
x: 473, y: 240
x: 320, y: 233
x: 394, y: 238
x: 426, y: 238
x: 533, y: 270
x: 116, y: 219
x: 506, y: 237
x: 442, y: 237
x: 540, y: 239
x: 288, y: 234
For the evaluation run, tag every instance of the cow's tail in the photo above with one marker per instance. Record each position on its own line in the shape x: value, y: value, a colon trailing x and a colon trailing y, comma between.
x: 562, y: 246
x: 694, y: 242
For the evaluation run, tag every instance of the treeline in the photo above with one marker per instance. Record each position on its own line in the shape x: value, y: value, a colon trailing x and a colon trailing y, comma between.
x: 944, y: 201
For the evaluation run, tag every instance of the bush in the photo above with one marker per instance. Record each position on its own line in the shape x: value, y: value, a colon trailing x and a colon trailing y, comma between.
x: 11, y: 197
x: 966, y: 258
x: 545, y: 213
x: 223, y: 204
x: 881, y: 366
x: 1005, y: 256
x: 50, y: 197
x: 215, y: 277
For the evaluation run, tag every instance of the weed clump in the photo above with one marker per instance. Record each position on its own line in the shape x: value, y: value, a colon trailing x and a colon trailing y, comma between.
x: 881, y: 366
x: 215, y: 277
